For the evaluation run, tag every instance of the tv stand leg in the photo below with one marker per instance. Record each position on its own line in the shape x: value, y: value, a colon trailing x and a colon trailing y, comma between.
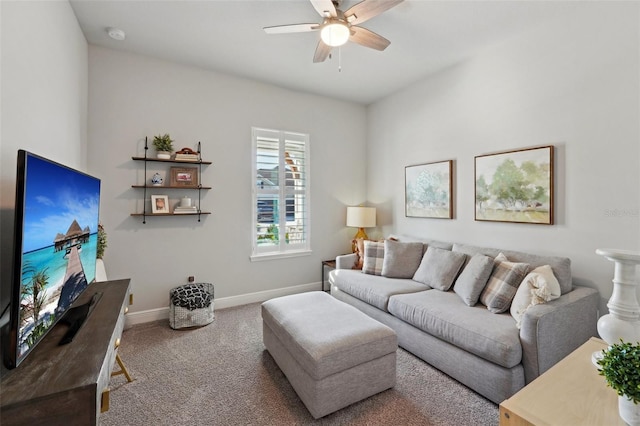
x: 123, y: 369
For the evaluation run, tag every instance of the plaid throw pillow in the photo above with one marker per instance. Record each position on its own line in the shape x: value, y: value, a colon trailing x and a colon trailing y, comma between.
x: 503, y: 284
x: 373, y: 257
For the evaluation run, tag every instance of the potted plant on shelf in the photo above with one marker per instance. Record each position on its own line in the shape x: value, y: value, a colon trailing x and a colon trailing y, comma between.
x: 163, y: 145
x: 620, y: 366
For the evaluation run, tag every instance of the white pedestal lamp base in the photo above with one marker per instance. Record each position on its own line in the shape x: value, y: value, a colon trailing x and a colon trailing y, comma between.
x: 623, y: 319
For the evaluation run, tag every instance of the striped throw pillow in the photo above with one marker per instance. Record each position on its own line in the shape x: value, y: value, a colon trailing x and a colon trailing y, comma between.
x: 503, y: 284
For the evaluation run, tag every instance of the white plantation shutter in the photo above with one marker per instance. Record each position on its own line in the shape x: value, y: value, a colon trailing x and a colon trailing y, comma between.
x: 280, y: 193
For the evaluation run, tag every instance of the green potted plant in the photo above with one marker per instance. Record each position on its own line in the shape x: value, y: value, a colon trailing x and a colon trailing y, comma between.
x: 101, y: 245
x: 163, y: 145
x: 102, y: 241
x: 620, y: 366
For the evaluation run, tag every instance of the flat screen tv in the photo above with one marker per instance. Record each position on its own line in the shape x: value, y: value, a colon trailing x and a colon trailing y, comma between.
x: 55, y: 242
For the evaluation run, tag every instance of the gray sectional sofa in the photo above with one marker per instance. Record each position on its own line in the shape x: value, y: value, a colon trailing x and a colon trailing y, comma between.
x: 485, y: 351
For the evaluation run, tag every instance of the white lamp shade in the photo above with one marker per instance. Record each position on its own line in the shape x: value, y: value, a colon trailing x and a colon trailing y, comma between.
x: 361, y: 217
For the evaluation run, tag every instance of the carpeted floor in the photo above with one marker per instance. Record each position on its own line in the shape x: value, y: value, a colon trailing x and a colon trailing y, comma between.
x: 222, y: 375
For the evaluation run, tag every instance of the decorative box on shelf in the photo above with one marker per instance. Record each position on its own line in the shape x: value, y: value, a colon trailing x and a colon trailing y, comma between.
x: 185, y: 210
x: 187, y: 157
x: 187, y: 154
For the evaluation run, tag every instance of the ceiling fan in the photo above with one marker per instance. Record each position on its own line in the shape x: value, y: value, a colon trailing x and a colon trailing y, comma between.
x: 338, y: 27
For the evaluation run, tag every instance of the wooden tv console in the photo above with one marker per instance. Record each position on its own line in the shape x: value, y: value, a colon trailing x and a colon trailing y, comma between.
x: 68, y: 384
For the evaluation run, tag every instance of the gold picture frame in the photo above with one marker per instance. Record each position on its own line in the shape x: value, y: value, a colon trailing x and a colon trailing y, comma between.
x: 184, y: 177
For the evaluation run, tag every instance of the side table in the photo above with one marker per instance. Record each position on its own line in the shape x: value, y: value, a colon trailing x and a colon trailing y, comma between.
x: 331, y: 264
x: 569, y: 393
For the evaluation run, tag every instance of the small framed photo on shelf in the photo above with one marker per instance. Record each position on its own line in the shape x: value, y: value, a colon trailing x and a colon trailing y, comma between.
x: 184, y: 176
x: 159, y: 204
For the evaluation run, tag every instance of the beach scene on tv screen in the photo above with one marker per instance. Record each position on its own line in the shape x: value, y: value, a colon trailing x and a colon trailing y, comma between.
x: 60, y: 226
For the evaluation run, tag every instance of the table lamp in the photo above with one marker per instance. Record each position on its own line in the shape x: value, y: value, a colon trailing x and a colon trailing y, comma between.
x: 361, y: 217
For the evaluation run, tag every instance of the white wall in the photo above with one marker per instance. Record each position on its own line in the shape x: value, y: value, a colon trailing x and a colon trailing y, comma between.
x: 44, y: 81
x: 563, y: 83
x: 131, y: 97
x: 572, y: 82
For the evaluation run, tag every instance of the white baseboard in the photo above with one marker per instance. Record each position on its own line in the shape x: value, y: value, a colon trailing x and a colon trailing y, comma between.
x: 150, y: 315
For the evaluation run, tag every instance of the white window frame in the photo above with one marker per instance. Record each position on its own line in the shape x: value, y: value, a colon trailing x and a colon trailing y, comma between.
x: 282, y: 249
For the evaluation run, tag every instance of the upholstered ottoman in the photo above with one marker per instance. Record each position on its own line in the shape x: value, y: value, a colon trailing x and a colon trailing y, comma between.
x: 332, y: 354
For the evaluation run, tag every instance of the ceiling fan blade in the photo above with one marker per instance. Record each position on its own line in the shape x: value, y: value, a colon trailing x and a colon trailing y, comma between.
x: 322, y: 51
x: 367, y: 9
x: 325, y: 8
x: 294, y: 28
x: 368, y: 38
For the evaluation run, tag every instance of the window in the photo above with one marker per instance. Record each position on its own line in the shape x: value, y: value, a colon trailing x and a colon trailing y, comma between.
x: 280, y: 199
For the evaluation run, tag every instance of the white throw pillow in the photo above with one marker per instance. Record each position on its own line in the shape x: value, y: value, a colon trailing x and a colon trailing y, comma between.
x: 539, y: 286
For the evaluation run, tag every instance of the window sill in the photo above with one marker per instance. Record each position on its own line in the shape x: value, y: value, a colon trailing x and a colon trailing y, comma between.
x: 284, y: 255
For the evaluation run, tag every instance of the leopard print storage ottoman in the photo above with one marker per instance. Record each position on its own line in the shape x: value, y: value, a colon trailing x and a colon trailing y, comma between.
x: 191, y: 305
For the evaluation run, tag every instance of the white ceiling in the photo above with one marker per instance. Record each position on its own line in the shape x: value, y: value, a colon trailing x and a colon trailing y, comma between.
x: 227, y: 36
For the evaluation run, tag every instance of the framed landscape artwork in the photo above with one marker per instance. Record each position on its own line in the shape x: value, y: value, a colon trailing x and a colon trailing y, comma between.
x: 515, y: 186
x: 428, y: 190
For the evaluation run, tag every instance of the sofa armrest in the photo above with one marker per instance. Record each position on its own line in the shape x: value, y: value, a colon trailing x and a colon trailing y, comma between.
x: 346, y: 261
x: 553, y: 330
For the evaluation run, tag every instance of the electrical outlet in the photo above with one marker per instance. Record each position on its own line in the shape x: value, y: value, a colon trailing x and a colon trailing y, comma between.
x: 192, y: 279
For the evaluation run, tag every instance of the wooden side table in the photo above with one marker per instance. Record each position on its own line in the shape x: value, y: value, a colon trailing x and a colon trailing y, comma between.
x: 569, y: 393
x: 331, y: 264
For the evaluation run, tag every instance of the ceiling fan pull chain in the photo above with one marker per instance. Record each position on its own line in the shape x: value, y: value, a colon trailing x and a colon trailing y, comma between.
x: 339, y: 59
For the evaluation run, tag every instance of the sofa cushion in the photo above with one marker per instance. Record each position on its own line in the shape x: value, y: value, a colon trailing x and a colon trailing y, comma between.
x: 426, y: 242
x: 473, y: 278
x: 373, y: 257
x: 372, y: 289
x: 438, y: 244
x: 503, y: 284
x: 439, y: 268
x: 443, y: 315
x: 539, y: 286
x: 561, y: 266
x: 401, y: 259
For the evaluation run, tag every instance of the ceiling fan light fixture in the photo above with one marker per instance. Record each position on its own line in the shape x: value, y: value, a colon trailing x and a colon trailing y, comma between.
x: 335, y: 34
